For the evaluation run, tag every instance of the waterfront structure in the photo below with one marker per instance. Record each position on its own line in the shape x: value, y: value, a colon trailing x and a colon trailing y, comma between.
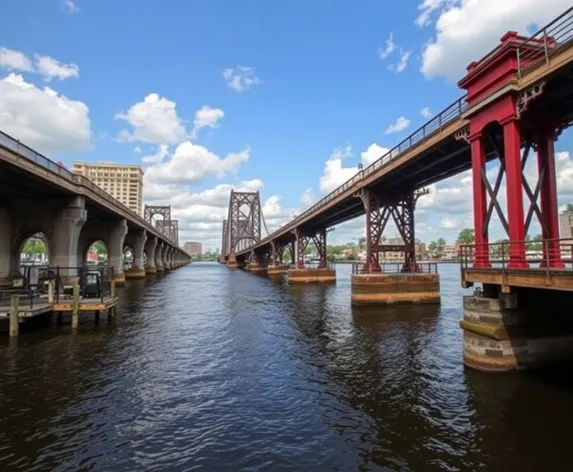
x: 193, y: 248
x: 566, y: 225
x: 519, y: 98
x: 122, y: 181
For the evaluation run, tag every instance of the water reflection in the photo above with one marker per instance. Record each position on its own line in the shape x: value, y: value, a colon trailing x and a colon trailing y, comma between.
x: 207, y: 368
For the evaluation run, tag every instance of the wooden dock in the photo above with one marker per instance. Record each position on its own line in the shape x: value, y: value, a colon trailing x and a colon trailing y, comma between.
x: 86, y: 304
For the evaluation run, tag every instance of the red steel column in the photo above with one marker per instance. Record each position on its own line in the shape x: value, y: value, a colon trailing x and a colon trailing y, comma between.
x: 480, y: 202
x: 514, y: 183
x: 548, y: 195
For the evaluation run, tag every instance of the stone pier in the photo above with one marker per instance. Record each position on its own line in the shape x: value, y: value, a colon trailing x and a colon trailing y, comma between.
x: 277, y: 269
x: 525, y: 329
x: 395, y: 289
x: 137, y: 241
x: 307, y: 275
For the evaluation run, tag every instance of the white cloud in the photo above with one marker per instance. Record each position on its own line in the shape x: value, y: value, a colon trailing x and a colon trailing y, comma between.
x: 160, y: 154
x: 50, y: 68
x: 448, y: 223
x: 46, y: 66
x: 154, y: 120
x: 70, y: 6
x: 335, y: 174
x: 426, y: 112
x: 240, y: 78
x: 427, y: 8
x: 308, y: 198
x: 467, y: 29
x: 190, y: 163
x: 43, y: 119
x: 15, y: 60
x: 388, y: 48
x: 401, y: 65
x: 400, y: 124
x: 372, y: 154
x: 137, y: 150
x: 207, y: 117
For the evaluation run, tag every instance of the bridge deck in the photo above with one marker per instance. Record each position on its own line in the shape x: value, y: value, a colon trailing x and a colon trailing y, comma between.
x: 535, y: 277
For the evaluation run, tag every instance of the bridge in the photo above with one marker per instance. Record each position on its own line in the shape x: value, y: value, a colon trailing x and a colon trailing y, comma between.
x: 38, y: 195
x: 519, y: 98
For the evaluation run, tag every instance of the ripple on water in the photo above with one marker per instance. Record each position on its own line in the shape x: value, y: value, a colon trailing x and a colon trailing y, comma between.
x: 212, y: 369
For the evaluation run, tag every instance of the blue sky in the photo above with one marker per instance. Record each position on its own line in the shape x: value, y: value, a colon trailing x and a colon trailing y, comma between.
x: 323, y: 79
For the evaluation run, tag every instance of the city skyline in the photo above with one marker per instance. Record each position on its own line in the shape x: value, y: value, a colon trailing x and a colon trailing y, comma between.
x: 244, y: 117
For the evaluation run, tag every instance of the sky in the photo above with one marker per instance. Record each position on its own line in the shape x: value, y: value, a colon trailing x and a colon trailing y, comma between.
x: 284, y: 97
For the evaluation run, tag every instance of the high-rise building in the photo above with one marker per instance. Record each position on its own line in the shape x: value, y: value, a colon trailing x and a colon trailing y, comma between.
x: 193, y: 248
x: 123, y: 182
x: 566, y: 224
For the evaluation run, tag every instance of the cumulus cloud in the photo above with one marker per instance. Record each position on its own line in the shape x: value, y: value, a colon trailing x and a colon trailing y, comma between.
x: 425, y: 112
x: 154, y: 120
x: 388, y: 48
x: 42, y: 118
x: 48, y: 67
x: 240, y: 78
x: 207, y: 117
x: 190, y: 163
x: 466, y: 30
x: 15, y: 60
x: 307, y: 198
x: 400, y: 124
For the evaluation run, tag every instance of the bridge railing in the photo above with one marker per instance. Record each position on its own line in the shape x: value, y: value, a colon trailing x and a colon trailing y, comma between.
x: 21, y: 149
x: 394, y: 268
x: 428, y: 130
x: 548, y: 254
x: 548, y: 41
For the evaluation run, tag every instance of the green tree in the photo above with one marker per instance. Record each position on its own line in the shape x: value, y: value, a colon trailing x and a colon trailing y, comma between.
x: 433, y: 248
x: 361, y: 243
x: 569, y: 208
x: 466, y: 236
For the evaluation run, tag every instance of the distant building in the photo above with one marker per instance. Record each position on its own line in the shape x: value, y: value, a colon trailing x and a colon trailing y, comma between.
x: 123, y: 182
x: 566, y: 225
x: 193, y: 248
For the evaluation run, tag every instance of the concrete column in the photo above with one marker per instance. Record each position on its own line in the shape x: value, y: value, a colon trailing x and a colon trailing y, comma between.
x: 165, y: 257
x: 64, y: 238
x: 159, y: 257
x: 5, y: 247
x: 137, y: 270
x: 150, y: 246
x: 116, y: 240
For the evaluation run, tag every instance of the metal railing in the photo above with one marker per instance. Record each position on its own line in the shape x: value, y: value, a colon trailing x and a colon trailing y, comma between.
x: 421, y: 135
x: 95, y: 282
x: 28, y: 295
x: 30, y: 154
x: 394, y: 268
x: 549, y: 254
x: 537, y: 49
x: 548, y: 41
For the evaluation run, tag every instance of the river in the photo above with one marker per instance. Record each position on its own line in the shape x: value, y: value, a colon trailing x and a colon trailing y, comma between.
x: 212, y: 369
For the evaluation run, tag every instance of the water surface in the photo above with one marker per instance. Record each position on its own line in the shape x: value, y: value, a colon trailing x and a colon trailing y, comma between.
x: 208, y: 368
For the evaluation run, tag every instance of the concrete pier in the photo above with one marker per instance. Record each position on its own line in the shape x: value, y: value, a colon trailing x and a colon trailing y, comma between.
x: 277, y: 269
x: 134, y: 273
x: 526, y: 329
x: 394, y: 289
x: 257, y: 268
x: 307, y: 275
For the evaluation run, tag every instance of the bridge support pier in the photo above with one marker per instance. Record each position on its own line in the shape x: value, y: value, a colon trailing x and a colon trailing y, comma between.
x: 301, y: 274
x: 137, y: 240
x: 5, y: 248
x: 159, y: 258
x: 524, y: 329
x: 150, y: 246
x: 398, y: 284
x: 64, y: 239
x: 116, y: 240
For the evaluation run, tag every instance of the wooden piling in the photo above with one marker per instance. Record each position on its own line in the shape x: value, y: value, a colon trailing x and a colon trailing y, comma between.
x: 14, y: 315
x: 51, y: 291
x: 76, y: 306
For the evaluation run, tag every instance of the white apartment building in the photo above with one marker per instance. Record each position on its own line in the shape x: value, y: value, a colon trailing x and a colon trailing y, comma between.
x: 566, y: 225
x: 123, y: 182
